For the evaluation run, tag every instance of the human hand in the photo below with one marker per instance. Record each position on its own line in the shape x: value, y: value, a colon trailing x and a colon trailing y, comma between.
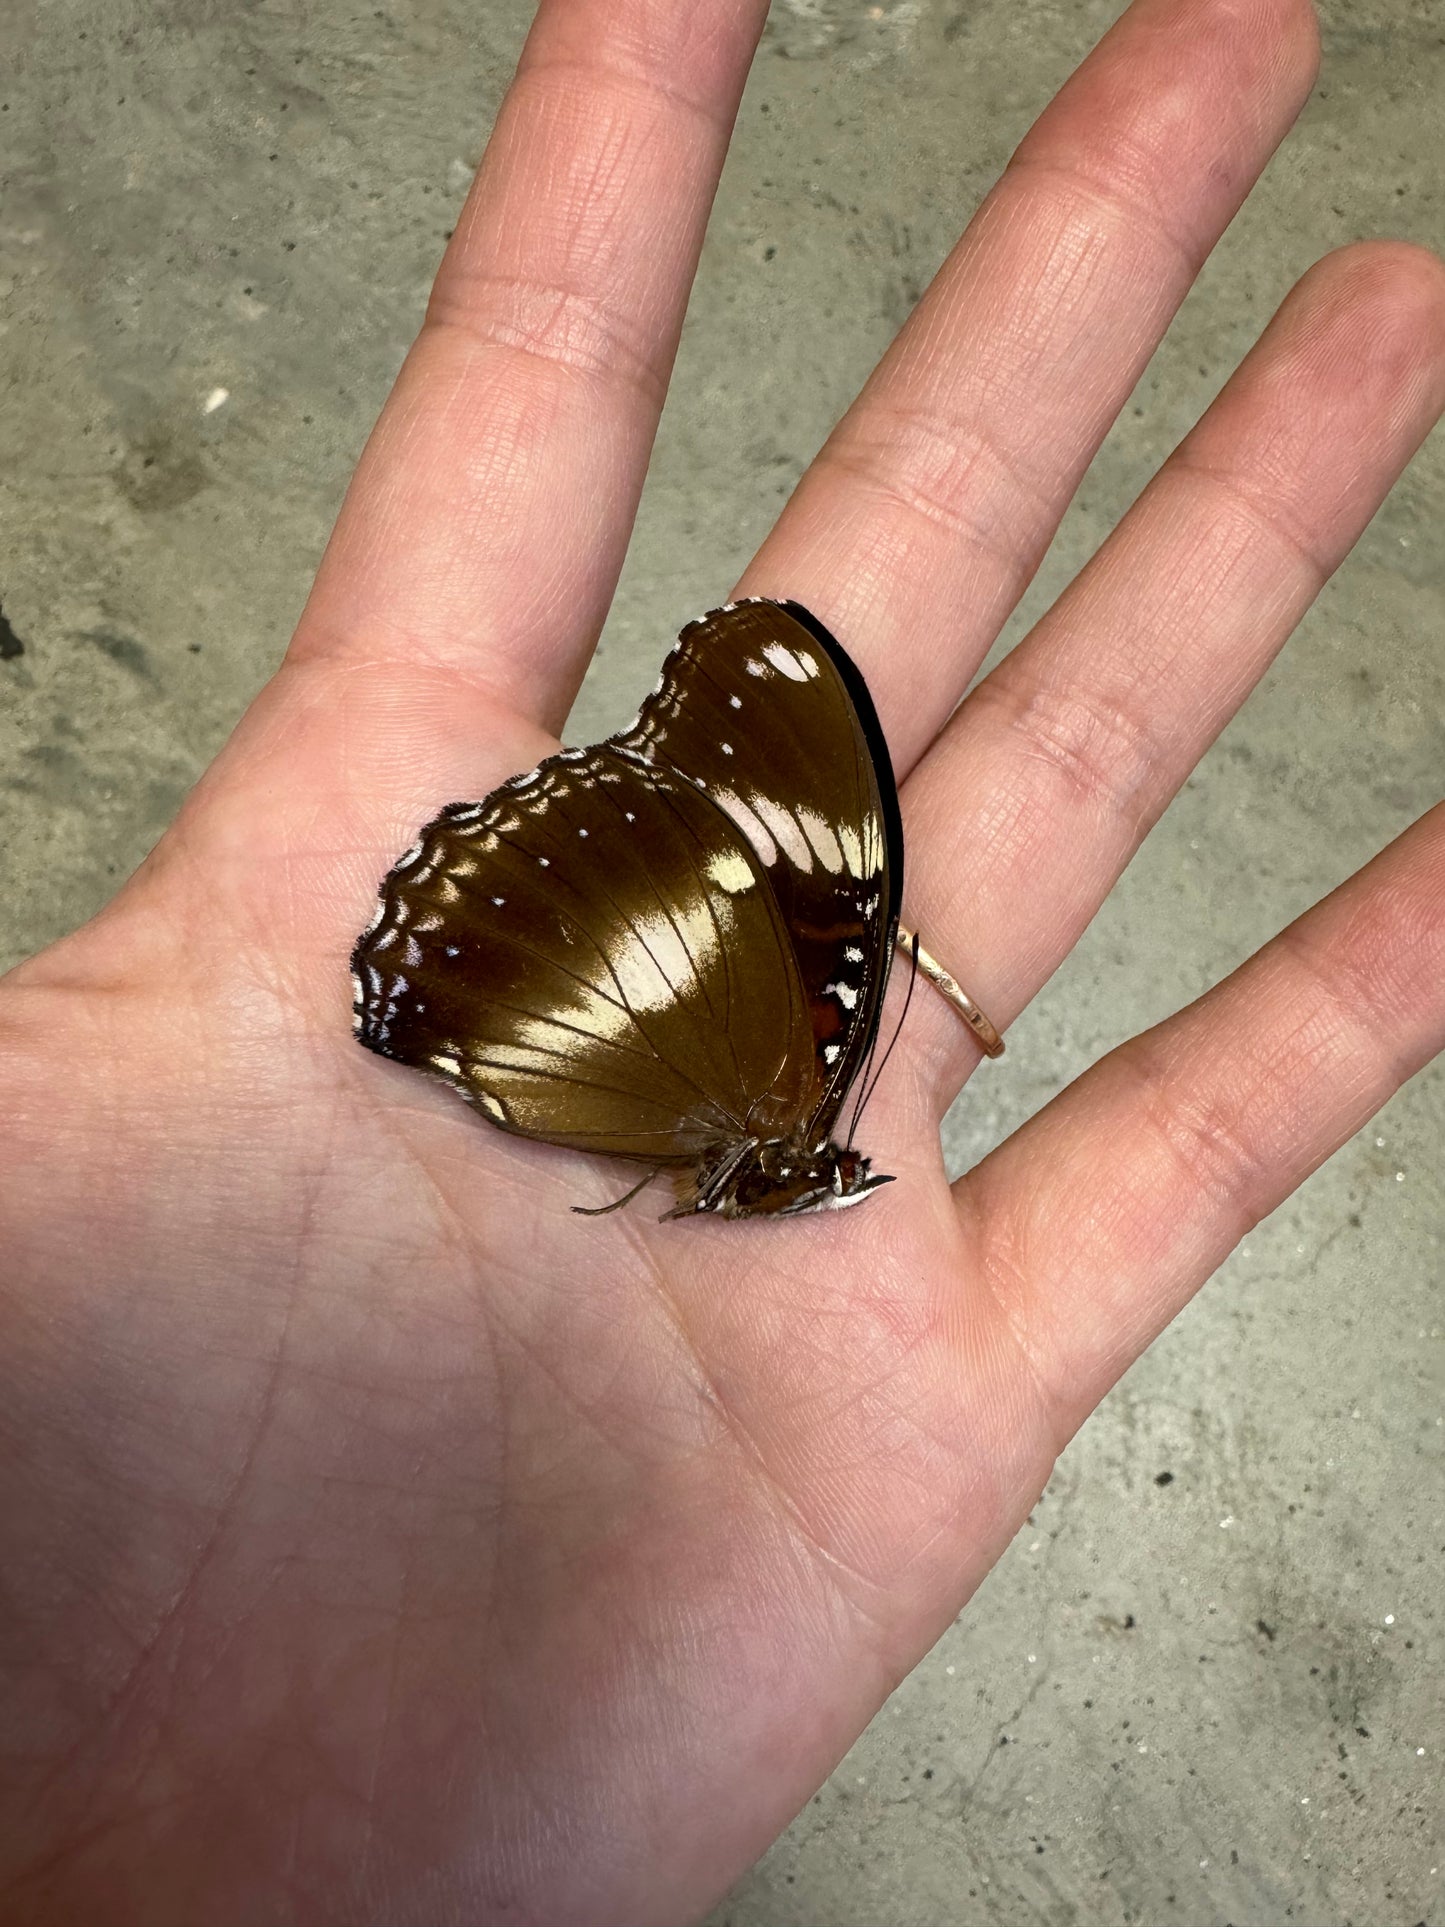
x: 387, y: 1542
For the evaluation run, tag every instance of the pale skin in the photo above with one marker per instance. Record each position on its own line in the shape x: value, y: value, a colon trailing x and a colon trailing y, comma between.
x: 383, y: 1541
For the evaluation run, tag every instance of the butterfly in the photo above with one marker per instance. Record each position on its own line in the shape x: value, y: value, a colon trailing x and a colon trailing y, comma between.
x: 670, y: 947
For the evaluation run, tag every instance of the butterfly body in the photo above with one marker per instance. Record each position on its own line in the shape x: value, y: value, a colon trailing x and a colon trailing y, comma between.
x: 670, y: 947
x: 779, y: 1177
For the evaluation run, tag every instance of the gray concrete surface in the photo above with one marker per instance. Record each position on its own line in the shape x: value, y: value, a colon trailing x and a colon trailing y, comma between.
x: 1204, y: 1686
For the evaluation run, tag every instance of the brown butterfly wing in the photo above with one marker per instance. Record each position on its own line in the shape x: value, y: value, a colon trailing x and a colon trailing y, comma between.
x: 593, y: 957
x: 768, y: 713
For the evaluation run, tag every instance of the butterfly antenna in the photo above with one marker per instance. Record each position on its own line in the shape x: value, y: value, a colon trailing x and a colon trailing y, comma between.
x: 864, y: 1082
x: 862, y: 1086
x: 870, y: 1076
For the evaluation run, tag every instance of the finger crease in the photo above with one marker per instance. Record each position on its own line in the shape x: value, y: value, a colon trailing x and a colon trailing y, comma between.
x: 880, y: 471
x: 1098, y: 192
x: 1268, y: 521
x: 1349, y: 1010
x: 602, y: 76
x: 1107, y: 754
x: 562, y: 327
x: 1201, y: 1136
x: 392, y: 651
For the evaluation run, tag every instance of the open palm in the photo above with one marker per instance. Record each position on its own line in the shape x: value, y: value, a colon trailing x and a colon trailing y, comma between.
x: 386, y: 1542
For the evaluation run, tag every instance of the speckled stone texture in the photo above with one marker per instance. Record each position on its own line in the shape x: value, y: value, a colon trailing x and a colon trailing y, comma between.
x: 1205, y: 1684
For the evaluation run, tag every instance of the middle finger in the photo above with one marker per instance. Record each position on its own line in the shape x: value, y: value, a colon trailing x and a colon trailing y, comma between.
x: 920, y: 522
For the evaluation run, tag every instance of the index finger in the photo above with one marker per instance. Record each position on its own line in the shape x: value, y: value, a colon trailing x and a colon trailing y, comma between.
x: 488, y: 518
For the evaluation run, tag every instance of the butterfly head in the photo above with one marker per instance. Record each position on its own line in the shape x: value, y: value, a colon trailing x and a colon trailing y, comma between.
x: 850, y: 1178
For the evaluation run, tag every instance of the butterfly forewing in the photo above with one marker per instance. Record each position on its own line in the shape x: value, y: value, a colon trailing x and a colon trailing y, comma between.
x: 593, y: 956
x: 764, y: 711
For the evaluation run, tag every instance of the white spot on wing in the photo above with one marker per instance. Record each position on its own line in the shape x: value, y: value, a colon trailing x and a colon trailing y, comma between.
x: 819, y: 833
x: 652, y: 963
x: 796, y: 668
x: 784, y: 827
x: 852, y: 849
x: 751, y: 825
x: 730, y: 871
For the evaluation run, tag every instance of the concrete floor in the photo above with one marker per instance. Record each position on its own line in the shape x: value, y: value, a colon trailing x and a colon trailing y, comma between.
x: 1205, y: 1685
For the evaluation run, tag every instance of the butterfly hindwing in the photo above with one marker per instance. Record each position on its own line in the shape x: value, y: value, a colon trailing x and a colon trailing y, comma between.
x: 593, y: 957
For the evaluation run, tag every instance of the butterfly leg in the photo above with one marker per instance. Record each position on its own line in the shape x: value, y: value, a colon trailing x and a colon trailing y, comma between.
x: 602, y: 1210
x: 707, y: 1186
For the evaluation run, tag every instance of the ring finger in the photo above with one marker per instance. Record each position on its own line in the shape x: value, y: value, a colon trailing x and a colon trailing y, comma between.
x: 1039, y: 792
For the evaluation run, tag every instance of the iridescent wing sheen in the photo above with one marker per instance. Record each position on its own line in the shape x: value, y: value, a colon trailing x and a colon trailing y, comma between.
x: 593, y: 956
x: 764, y: 711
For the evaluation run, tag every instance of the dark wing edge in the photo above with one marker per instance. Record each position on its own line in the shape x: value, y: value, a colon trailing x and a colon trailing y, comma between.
x: 862, y: 700
x: 858, y: 1058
